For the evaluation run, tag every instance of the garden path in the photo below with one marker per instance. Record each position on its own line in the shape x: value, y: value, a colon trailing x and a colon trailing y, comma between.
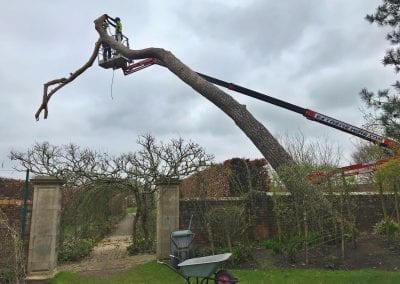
x: 110, y: 256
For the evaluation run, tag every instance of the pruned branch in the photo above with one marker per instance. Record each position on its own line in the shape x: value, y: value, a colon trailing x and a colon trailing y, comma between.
x: 274, y: 153
x: 59, y: 83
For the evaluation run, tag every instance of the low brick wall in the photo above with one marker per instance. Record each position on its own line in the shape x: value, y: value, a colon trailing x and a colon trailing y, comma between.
x: 367, y: 212
x: 369, y: 209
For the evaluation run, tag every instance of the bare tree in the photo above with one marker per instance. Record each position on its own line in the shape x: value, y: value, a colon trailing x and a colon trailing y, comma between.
x: 312, y: 152
x: 367, y: 152
x: 69, y: 162
x: 136, y: 171
x: 153, y: 161
x: 174, y: 160
x: 258, y: 134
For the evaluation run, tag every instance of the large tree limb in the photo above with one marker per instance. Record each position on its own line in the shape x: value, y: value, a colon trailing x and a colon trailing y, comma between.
x: 64, y: 81
x: 258, y: 134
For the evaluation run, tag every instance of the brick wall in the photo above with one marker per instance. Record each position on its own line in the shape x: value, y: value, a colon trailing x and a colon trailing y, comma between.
x: 11, y: 204
x: 367, y: 212
x: 369, y: 209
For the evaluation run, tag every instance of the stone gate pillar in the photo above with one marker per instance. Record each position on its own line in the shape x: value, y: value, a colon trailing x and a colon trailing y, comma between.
x: 45, y: 227
x: 167, y: 215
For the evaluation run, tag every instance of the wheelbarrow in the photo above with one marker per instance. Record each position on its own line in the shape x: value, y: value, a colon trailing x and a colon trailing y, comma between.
x: 204, y: 269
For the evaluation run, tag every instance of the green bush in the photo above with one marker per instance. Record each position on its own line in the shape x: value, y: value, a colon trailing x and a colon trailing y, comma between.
x: 141, y: 246
x: 228, y: 225
x: 5, y: 275
x: 241, y: 253
x: 387, y: 227
x: 290, y: 246
x: 75, y: 249
x: 272, y: 244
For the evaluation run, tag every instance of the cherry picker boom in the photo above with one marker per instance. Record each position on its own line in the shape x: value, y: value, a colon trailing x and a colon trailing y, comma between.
x: 355, y: 169
x: 309, y: 114
x: 118, y: 61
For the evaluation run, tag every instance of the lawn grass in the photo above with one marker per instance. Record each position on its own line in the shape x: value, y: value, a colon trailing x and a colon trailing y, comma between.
x: 306, y: 276
x: 148, y: 273
x: 153, y: 272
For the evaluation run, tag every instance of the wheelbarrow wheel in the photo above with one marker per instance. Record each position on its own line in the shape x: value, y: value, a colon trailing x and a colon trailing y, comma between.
x: 224, y: 277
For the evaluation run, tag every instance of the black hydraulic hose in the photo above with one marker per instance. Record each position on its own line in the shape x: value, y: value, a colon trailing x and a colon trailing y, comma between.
x: 309, y: 114
x: 254, y: 94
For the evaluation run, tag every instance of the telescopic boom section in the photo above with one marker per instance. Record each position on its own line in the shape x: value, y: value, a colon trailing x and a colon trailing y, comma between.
x: 354, y: 130
x: 309, y: 114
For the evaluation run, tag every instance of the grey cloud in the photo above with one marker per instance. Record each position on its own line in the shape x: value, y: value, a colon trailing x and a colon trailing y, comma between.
x: 316, y: 54
x: 260, y: 29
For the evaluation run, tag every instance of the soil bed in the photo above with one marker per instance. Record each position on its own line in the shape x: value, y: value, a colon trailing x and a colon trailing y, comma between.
x: 371, y: 252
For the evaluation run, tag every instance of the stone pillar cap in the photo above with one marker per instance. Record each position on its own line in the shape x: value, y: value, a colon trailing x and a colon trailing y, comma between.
x: 46, y: 180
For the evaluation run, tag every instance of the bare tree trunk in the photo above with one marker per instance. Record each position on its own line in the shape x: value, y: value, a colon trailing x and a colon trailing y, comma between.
x: 273, y: 152
x: 228, y: 237
x: 137, y: 216
x: 277, y: 214
x: 297, y: 214
x: 342, y: 225
x: 134, y: 226
x: 380, y: 187
x: 333, y: 214
x: 210, y: 236
x: 305, y: 234
x: 144, y: 217
x: 350, y: 216
x: 396, y: 202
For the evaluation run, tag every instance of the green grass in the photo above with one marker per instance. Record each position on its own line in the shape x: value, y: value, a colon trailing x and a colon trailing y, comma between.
x: 130, y: 210
x: 306, y: 276
x: 148, y: 273
x: 153, y: 272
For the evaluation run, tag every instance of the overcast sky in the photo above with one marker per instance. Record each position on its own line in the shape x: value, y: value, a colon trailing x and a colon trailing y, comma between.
x: 314, y: 53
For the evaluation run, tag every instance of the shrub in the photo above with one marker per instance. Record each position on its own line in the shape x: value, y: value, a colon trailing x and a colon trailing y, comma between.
x: 241, y: 253
x: 141, y: 246
x: 75, y: 249
x: 387, y: 227
x: 5, y: 275
x: 272, y: 244
x: 290, y: 246
x: 228, y: 225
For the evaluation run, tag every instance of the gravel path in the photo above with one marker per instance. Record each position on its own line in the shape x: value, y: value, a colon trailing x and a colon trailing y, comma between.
x: 110, y: 256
